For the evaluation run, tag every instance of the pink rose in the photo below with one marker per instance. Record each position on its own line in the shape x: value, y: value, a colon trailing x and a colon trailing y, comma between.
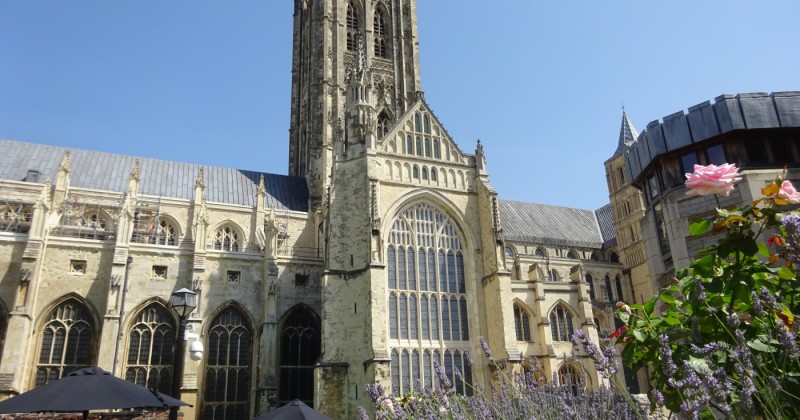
x: 712, y: 179
x: 788, y: 193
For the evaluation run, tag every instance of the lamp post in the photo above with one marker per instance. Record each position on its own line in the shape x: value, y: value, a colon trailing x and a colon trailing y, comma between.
x: 183, y: 302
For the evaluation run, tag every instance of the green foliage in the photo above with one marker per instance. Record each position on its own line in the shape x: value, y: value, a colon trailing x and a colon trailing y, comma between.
x: 726, y: 321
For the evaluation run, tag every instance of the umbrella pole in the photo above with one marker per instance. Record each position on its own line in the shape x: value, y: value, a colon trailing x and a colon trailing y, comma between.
x: 86, y: 415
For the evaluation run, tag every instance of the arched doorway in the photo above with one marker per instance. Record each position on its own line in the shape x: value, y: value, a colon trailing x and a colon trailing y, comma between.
x: 300, y: 347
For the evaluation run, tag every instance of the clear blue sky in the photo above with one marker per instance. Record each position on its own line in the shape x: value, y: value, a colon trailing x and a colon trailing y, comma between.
x: 541, y: 83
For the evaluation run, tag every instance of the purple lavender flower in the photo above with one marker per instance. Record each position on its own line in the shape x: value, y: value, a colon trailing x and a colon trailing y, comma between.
x: 486, y: 350
x: 758, y: 308
x: 701, y: 291
x: 791, y: 224
x: 375, y: 391
x: 444, y: 380
x: 769, y: 299
x: 362, y: 413
x: 668, y: 367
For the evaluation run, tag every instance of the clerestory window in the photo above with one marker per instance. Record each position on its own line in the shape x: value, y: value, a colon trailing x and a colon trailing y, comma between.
x: 226, y: 239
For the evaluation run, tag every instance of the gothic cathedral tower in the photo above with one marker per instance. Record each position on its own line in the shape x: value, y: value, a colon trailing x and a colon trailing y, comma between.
x: 335, y: 42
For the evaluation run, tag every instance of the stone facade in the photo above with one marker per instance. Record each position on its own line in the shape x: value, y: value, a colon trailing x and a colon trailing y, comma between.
x: 386, y: 251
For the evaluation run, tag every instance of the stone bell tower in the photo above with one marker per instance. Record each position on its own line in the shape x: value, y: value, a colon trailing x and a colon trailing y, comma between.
x: 327, y: 36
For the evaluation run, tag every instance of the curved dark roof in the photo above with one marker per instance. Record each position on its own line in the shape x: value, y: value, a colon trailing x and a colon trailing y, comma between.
x: 111, y: 172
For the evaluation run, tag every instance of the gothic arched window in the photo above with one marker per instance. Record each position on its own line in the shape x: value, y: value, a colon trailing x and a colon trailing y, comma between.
x: 552, y: 275
x: 437, y: 153
x: 226, y: 239
x: 428, y: 319
x: 571, y: 255
x: 522, y: 323
x: 561, y: 323
x: 227, y: 374
x: 539, y: 253
x: 614, y: 258
x: 409, y: 145
x: 434, y: 176
x: 618, y: 282
x: 379, y: 32
x: 609, y: 291
x: 67, y: 341
x: 568, y: 376
x: 352, y: 27
x: 300, y: 346
x: 383, y: 125
x: 590, y: 280
x: 150, y: 355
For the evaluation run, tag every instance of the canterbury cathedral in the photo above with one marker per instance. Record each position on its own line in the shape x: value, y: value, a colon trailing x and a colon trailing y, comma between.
x: 384, y: 252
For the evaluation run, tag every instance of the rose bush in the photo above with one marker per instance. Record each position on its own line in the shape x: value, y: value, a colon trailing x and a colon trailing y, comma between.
x: 724, y: 341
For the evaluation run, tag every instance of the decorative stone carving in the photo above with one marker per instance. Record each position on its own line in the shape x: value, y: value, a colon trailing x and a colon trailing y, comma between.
x: 197, y: 284
x: 25, y: 276
x: 116, y: 280
x: 273, y: 288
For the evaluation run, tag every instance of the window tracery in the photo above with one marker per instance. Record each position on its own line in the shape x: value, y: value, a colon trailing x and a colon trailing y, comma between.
x: 67, y: 340
x: 561, y: 325
x: 522, y: 323
x: 379, y: 32
x: 150, y: 349
x: 227, y: 373
x: 427, y: 299
x: 226, y: 239
x: 352, y: 27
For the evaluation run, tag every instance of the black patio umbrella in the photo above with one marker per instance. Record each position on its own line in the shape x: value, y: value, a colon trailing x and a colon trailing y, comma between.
x: 294, y: 410
x: 85, y: 389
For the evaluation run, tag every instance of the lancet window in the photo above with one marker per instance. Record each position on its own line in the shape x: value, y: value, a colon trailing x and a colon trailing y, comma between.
x: 428, y: 317
x: 300, y: 346
x: 383, y: 125
x: 150, y: 349
x: 522, y: 323
x: 66, y: 344
x: 561, y: 323
x: 352, y: 27
x: 227, y: 374
x: 379, y: 32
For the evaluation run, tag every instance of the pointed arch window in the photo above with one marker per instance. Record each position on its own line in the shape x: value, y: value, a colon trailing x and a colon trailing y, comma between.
x: 428, y: 315
x: 522, y: 323
x: 590, y: 280
x: 300, y: 345
x: 383, y: 125
x: 161, y: 232
x: 415, y: 172
x: 226, y: 239
x: 67, y: 342
x: 379, y: 32
x: 561, y: 323
x: 409, y: 145
x: 609, y: 291
x: 424, y: 173
x: 434, y: 176
x: 227, y: 374
x: 150, y: 342
x: 571, y: 255
x: 568, y: 376
x: 352, y: 27
x: 437, y: 153
x: 618, y: 282
x: 539, y: 253
x: 427, y: 147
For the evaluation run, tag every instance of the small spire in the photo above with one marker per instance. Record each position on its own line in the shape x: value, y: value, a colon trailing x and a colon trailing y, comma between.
x: 64, y: 162
x: 200, y: 182
x: 262, y: 189
x: 627, y: 134
x: 136, y: 173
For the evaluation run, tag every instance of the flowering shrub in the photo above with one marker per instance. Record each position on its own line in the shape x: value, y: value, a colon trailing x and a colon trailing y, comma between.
x: 724, y: 342
x: 524, y: 395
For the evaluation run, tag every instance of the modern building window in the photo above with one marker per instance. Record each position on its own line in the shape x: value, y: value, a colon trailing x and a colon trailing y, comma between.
x: 226, y: 239
x: 522, y: 323
x: 688, y: 161
x: 150, y: 352
x: 781, y: 150
x: 428, y: 316
x: 227, y: 373
x: 715, y: 155
x: 661, y: 229
x: 561, y: 323
x: 352, y: 27
x: 756, y: 152
x: 67, y: 342
x: 300, y: 345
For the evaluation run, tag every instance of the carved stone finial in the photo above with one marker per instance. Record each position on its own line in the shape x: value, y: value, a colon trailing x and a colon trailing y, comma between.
x: 25, y: 276
x: 64, y: 162
x: 262, y: 189
x: 136, y: 173
x: 201, y: 181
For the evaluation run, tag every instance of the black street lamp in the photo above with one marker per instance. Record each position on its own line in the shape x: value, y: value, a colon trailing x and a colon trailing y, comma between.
x: 183, y: 302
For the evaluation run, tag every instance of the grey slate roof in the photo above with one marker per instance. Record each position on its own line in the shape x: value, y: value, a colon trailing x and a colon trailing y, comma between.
x: 554, y: 225
x: 110, y: 172
x: 605, y: 220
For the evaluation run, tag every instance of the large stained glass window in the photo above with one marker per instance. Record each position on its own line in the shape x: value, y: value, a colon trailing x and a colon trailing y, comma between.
x: 227, y: 379
x: 428, y: 319
x: 150, y: 343
x: 67, y: 340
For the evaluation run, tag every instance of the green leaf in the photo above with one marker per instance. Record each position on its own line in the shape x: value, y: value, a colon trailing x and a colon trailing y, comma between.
x: 763, y: 250
x: 749, y: 247
x: 699, y: 227
x: 668, y: 298
x: 785, y: 273
x: 649, y: 306
x: 704, y: 267
x: 639, y: 335
x: 761, y: 346
x: 671, y: 320
x: 624, y: 317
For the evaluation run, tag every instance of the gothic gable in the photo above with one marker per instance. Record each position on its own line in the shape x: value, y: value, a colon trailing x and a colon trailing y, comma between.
x: 419, y: 135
